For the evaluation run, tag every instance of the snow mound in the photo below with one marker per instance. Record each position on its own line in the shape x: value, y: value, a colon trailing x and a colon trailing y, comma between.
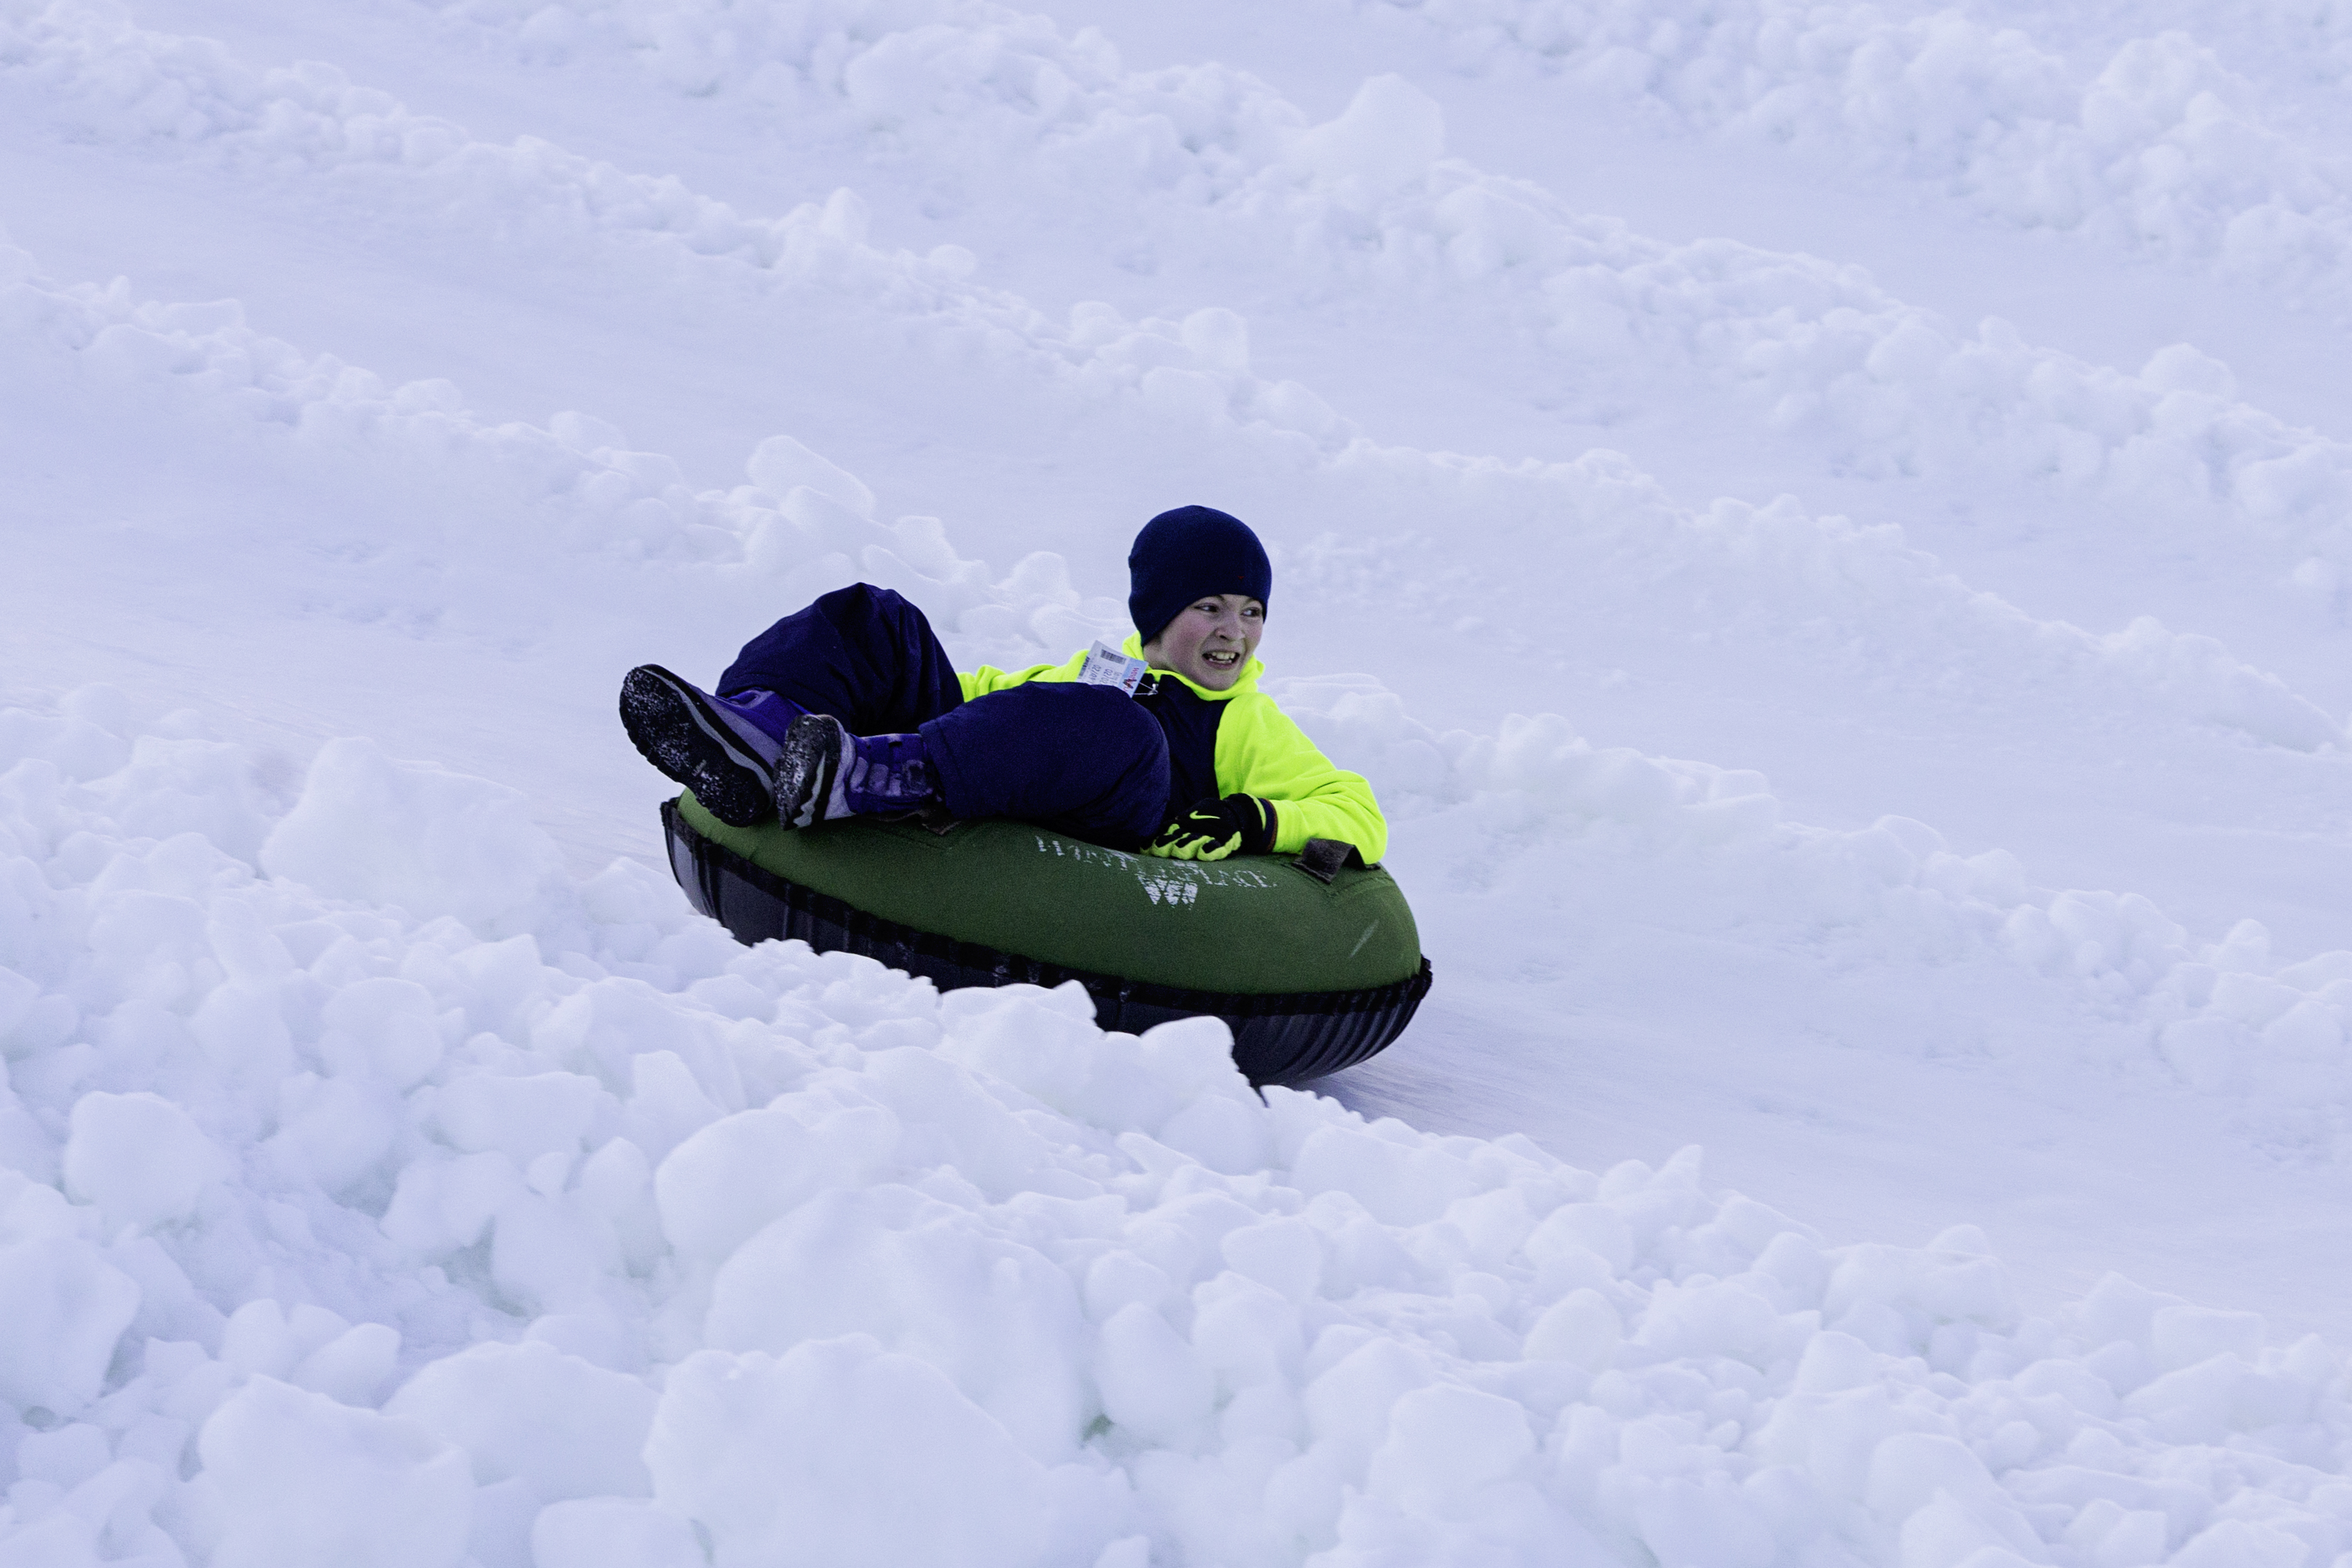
x: 2164, y: 148
x: 806, y: 525
x: 1595, y: 836
x: 536, y: 1246
x: 2158, y: 147
x: 1815, y: 348
x: 376, y: 831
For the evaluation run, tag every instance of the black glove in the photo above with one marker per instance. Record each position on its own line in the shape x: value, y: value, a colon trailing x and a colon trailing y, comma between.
x: 1213, y: 830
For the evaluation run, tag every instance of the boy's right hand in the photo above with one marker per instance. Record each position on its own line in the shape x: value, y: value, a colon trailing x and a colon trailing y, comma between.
x: 1213, y: 830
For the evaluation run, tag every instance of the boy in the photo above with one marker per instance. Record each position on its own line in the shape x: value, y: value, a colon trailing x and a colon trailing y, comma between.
x: 850, y: 707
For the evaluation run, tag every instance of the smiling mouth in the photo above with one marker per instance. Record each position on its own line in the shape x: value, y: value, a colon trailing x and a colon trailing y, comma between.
x: 1223, y: 659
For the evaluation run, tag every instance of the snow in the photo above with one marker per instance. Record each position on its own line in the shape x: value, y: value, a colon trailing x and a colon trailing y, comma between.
x: 139, y: 1158
x: 1826, y: 526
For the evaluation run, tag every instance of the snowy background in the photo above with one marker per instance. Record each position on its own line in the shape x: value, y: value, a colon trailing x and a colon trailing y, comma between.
x: 1829, y: 528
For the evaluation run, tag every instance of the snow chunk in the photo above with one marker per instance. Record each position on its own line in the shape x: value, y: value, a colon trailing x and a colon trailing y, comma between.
x: 140, y: 1158
x: 569, y: 1428
x: 839, y: 1455
x: 781, y: 465
x: 382, y: 1027
x: 1152, y: 1384
x: 64, y: 1307
x: 924, y: 1279
x: 725, y: 1183
x: 1390, y: 135
x: 296, y: 1478
x: 613, y: 1533
x: 431, y: 841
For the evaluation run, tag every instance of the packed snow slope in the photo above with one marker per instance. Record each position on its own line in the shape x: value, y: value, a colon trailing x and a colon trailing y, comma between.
x: 1928, y: 419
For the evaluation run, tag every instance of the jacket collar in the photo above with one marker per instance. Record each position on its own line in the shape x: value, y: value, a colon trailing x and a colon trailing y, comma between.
x: 1133, y: 648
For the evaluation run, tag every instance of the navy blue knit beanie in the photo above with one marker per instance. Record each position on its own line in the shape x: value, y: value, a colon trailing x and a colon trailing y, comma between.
x: 1184, y: 554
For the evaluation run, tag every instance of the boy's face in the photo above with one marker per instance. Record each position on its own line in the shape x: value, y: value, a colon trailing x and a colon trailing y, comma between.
x: 1210, y: 641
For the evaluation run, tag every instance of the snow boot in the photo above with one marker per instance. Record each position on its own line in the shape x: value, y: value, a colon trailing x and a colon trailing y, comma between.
x: 724, y: 749
x: 826, y: 772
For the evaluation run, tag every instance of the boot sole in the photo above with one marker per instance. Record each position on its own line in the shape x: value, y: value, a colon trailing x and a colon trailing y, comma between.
x: 805, y: 773
x: 675, y: 727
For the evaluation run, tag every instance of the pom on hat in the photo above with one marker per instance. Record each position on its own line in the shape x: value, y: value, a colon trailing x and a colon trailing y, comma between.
x: 1182, y: 555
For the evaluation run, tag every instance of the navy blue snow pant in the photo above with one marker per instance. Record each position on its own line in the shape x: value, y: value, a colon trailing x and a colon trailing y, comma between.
x: 1088, y: 761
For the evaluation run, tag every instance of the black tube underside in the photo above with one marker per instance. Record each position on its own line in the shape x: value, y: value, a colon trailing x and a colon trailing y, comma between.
x: 1282, y: 1040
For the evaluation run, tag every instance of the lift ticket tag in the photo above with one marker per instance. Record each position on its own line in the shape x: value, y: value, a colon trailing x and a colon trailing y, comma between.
x: 1106, y: 665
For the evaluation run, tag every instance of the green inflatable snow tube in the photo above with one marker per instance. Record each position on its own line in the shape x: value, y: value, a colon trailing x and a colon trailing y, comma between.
x: 1316, y: 966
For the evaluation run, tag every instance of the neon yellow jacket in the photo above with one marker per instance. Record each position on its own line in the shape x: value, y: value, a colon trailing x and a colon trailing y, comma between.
x: 1259, y: 750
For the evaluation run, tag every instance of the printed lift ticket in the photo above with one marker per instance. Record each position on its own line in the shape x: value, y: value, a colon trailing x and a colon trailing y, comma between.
x: 1107, y: 665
